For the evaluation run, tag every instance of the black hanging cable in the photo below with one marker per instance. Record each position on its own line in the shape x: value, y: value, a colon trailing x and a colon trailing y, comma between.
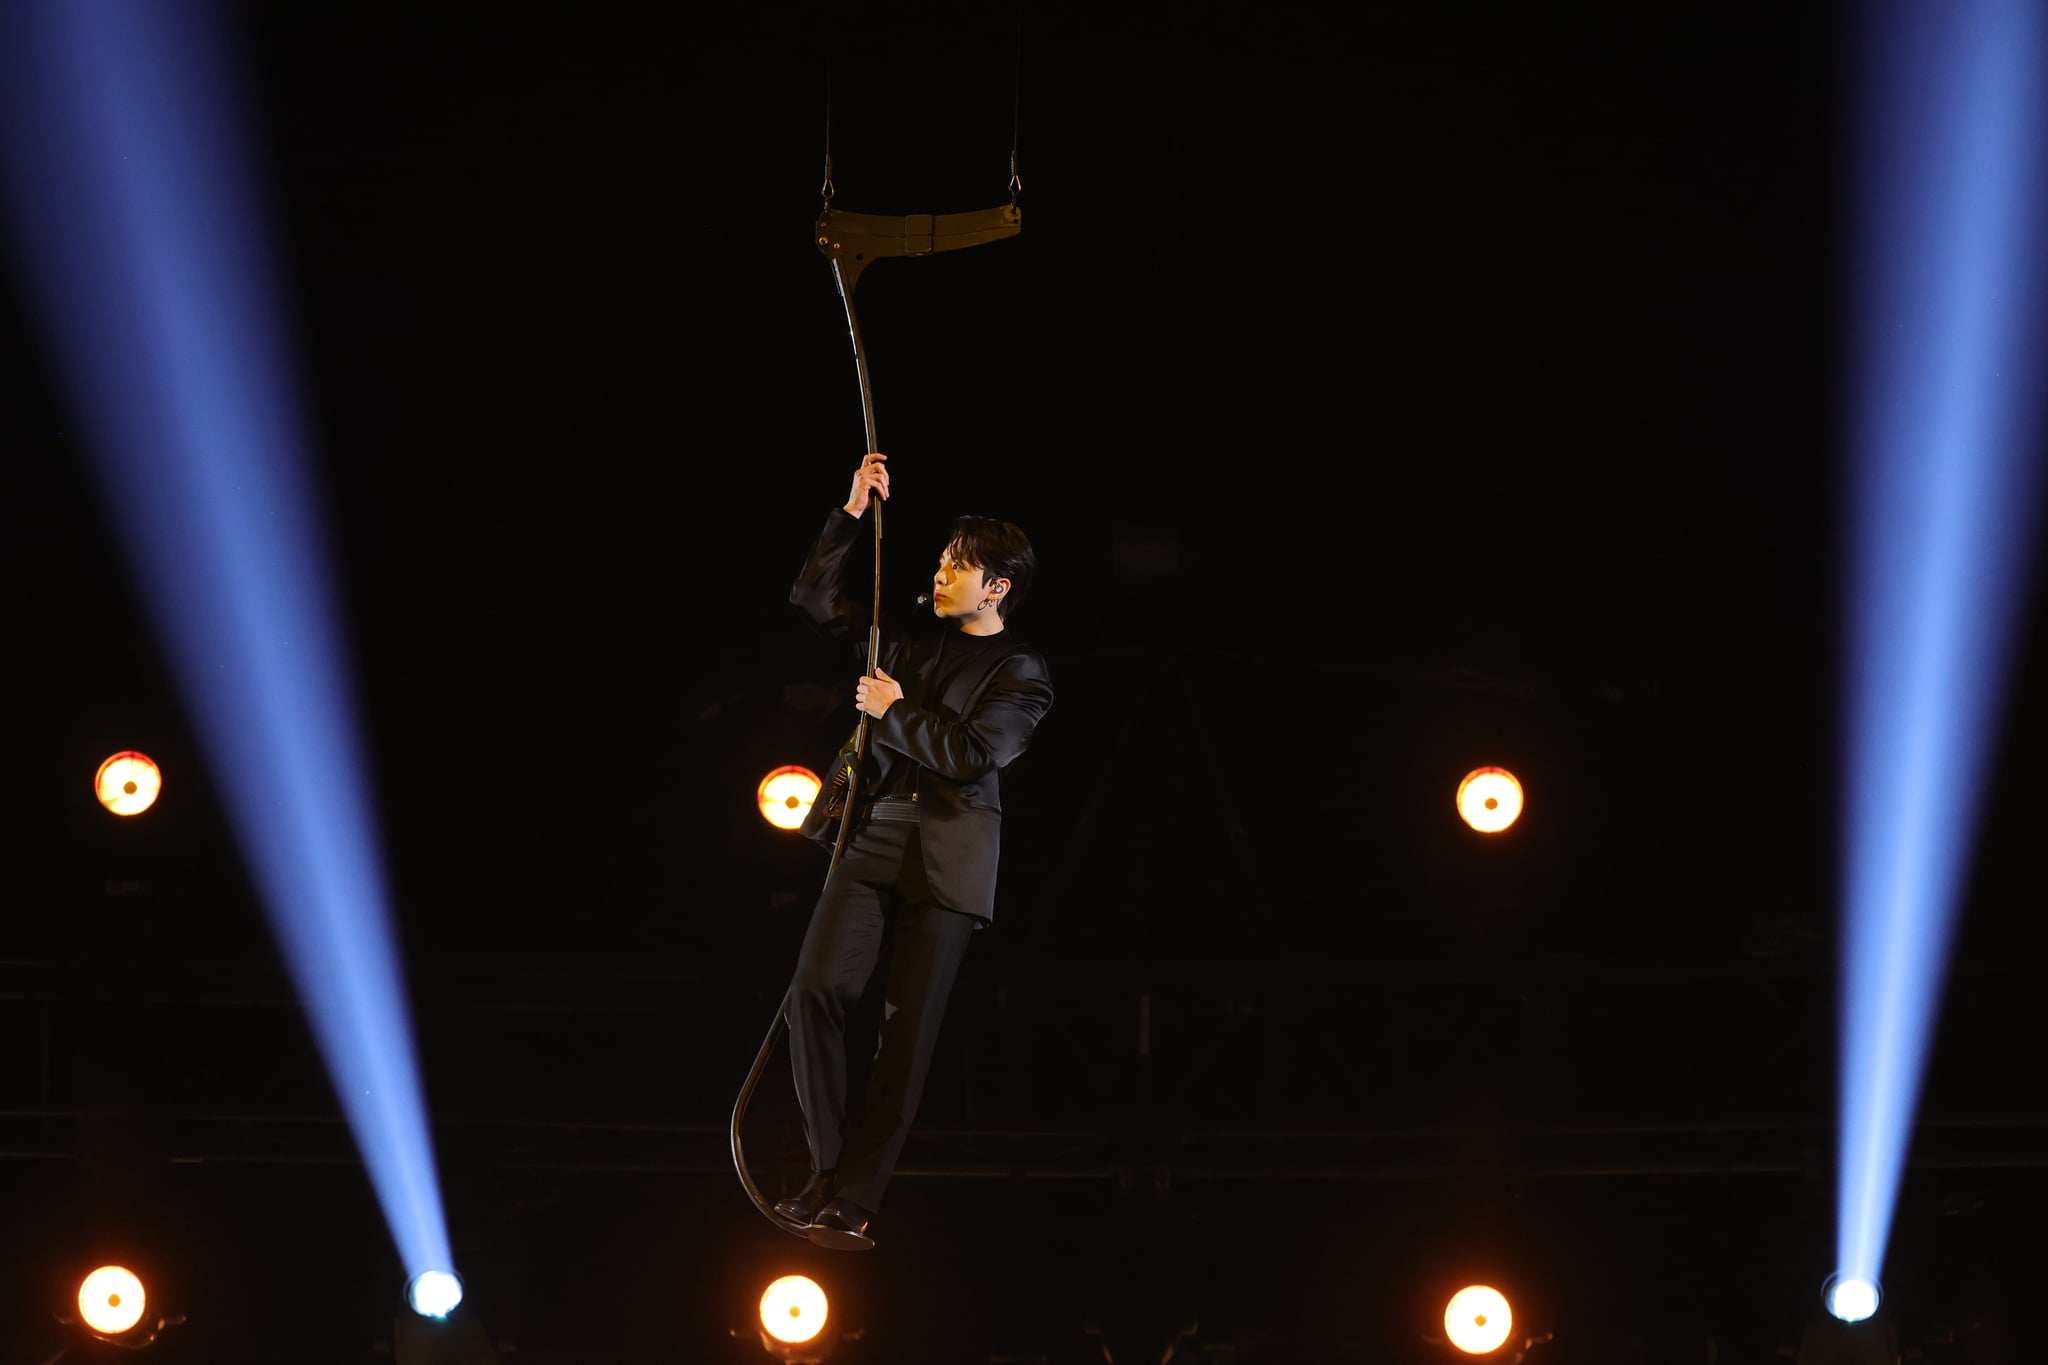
x: 826, y: 190
x: 1016, y: 104
x: 851, y: 241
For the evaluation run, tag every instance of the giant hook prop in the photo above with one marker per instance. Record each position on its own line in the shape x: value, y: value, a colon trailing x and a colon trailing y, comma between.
x: 852, y: 242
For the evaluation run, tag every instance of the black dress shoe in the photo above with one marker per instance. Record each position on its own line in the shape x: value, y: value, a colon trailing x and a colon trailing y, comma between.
x: 801, y: 1208
x: 842, y: 1225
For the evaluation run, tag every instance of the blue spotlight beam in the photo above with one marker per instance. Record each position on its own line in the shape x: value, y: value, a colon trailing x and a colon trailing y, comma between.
x: 1947, y: 205
x: 138, y: 234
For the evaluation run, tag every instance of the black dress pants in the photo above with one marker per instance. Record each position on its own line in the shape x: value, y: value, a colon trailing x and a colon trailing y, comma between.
x: 875, y: 923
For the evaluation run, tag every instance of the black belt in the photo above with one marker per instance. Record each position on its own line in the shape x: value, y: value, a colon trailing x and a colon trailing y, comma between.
x: 901, y: 809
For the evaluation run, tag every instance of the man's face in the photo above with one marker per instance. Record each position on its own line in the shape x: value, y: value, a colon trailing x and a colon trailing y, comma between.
x: 957, y: 587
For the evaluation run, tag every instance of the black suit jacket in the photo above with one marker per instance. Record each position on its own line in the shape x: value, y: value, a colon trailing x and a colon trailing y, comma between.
x: 962, y: 739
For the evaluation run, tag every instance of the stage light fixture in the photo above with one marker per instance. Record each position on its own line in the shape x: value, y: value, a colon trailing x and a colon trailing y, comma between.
x: 434, y: 1293
x: 794, y: 1309
x: 1851, y: 1298
x: 793, y: 1314
x: 128, y: 783
x: 112, y: 1307
x: 1847, y: 1326
x: 111, y: 1300
x: 785, y: 795
x: 458, y: 1339
x: 1490, y: 799
x: 1478, y: 1319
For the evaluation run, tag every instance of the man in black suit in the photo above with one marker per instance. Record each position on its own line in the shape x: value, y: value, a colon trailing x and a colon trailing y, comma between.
x: 950, y: 704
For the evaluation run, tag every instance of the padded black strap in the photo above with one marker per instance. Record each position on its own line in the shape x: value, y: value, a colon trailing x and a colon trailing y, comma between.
x: 852, y: 240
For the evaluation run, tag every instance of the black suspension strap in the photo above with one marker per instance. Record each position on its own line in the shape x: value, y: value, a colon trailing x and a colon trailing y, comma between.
x: 850, y: 243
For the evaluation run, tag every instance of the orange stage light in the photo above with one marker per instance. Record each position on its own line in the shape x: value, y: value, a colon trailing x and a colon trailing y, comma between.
x: 110, y: 1301
x: 1490, y: 799
x: 785, y: 796
x: 793, y: 1309
x: 1477, y: 1319
x: 128, y: 782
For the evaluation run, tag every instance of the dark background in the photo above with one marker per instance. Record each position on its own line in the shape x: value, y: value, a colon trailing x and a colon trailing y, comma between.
x: 1387, y: 393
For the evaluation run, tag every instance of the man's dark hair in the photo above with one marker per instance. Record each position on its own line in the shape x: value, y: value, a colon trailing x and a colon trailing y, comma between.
x: 999, y: 549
